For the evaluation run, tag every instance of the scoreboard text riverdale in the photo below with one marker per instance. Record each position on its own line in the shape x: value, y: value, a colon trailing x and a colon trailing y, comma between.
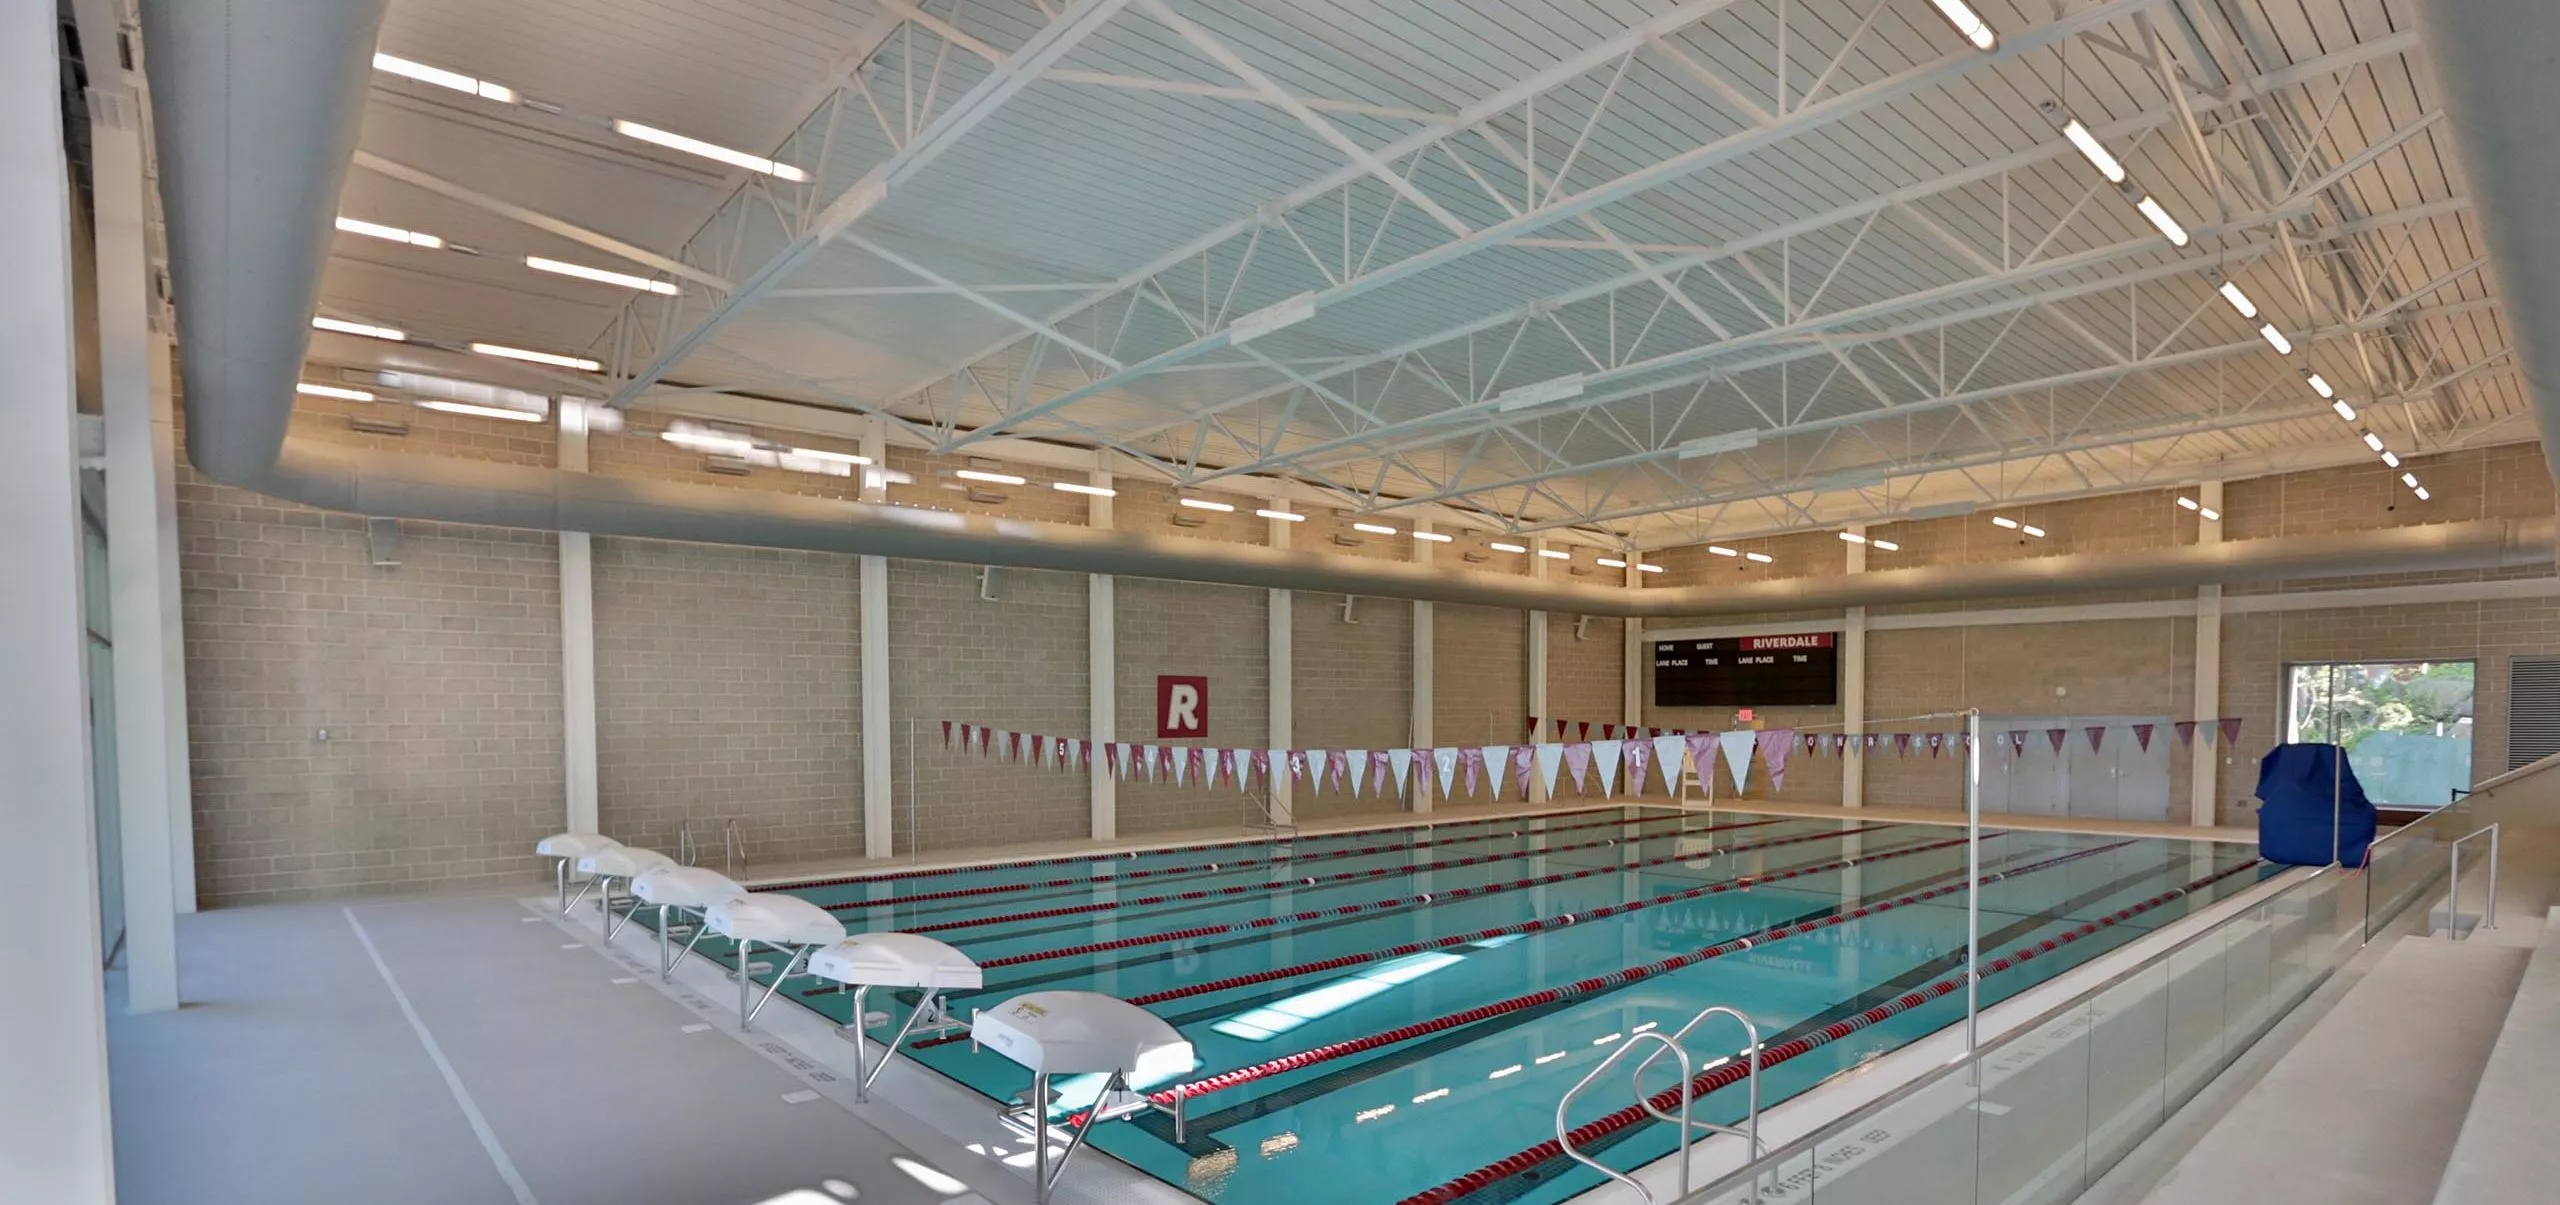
x: 1801, y: 670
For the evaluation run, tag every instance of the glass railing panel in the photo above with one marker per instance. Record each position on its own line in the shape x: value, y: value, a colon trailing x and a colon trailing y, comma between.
x: 2035, y: 1112
x: 2196, y: 997
x: 1918, y: 1150
x: 2128, y: 1065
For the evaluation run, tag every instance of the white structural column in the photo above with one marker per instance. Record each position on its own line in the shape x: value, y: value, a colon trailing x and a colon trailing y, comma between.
x: 173, y: 636
x: 1853, y: 684
x: 151, y: 802
x: 1633, y: 656
x: 1538, y: 653
x: 1424, y: 663
x: 1279, y: 656
x: 577, y: 639
x: 879, y: 769
x: 2204, y: 764
x: 54, y: 1137
x: 1102, y: 650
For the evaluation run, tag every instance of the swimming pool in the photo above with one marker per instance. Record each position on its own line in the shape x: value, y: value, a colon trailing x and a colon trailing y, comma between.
x: 1397, y: 1011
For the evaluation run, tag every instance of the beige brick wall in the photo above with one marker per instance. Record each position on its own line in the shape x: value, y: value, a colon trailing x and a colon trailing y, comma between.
x: 1586, y: 675
x: 1018, y: 663
x: 1479, y: 674
x: 728, y: 687
x: 1218, y: 632
x: 1351, y: 686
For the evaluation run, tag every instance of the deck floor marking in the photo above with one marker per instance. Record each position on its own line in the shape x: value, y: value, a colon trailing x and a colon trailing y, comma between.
x: 452, y: 1080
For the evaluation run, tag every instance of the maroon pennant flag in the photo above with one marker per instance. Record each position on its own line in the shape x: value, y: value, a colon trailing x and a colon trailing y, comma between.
x: 1196, y: 764
x: 1223, y: 769
x: 2017, y: 741
x: 1937, y: 743
x: 1084, y: 752
x: 1874, y: 741
x: 2142, y: 735
x: 968, y: 738
x: 1164, y: 763
x: 1812, y: 742
x: 2055, y: 735
x: 1533, y: 728
x: 1902, y: 743
x: 986, y: 738
x: 2230, y: 731
x: 1262, y: 765
x: 1608, y: 732
x: 1039, y: 748
x: 1111, y: 757
x: 2097, y: 733
x: 1560, y: 727
x: 1585, y: 726
x: 946, y: 734
x: 2186, y: 733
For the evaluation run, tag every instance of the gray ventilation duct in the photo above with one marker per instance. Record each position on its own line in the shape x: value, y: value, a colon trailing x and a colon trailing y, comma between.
x: 258, y: 105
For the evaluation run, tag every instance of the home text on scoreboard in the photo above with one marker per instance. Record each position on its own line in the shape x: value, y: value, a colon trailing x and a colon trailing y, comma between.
x: 1793, y: 670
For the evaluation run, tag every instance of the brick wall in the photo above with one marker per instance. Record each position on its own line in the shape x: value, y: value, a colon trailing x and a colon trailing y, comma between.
x: 1018, y: 663
x: 1218, y: 632
x: 1480, y: 674
x: 1586, y: 675
x: 1351, y: 686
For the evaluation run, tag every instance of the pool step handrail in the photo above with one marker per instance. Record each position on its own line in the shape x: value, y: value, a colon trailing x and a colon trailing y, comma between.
x: 1671, y: 1044
x: 733, y: 846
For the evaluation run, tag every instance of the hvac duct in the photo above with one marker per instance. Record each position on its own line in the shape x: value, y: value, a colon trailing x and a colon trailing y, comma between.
x: 258, y: 105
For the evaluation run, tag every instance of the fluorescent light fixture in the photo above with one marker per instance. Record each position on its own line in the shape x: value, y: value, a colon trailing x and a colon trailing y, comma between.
x: 1078, y: 487
x: 2344, y: 410
x: 598, y: 275
x: 518, y: 416
x: 2391, y: 460
x: 344, y: 395
x: 1555, y: 554
x: 1375, y: 529
x: 2240, y: 301
x: 1205, y: 504
x: 2188, y: 503
x: 1730, y: 441
x: 2093, y: 151
x: 1887, y: 545
x: 2373, y: 441
x: 709, y: 150
x: 1610, y: 562
x: 706, y: 439
x: 1761, y: 557
x: 1501, y: 547
x: 391, y: 334
x: 2422, y: 493
x: 1271, y: 318
x: 2161, y: 221
x: 1721, y: 550
x: 1285, y: 516
x: 1433, y: 537
x: 2004, y: 521
x: 1853, y: 537
x: 1968, y: 23
x: 829, y: 457
x: 389, y: 234
x: 933, y: 1178
x: 2320, y: 385
x: 2032, y: 529
x: 2211, y: 515
x: 504, y: 352
x: 2275, y: 339
x: 989, y: 478
x: 2409, y: 479
x: 444, y: 79
x: 1647, y: 567
x: 1539, y: 393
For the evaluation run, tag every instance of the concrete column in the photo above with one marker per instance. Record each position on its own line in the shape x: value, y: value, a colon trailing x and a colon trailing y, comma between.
x: 1538, y: 654
x: 152, y: 804
x: 1853, y: 684
x: 1102, y: 673
x: 1280, y: 651
x: 2204, y: 764
x: 55, y: 1144
x: 577, y: 639
x: 1424, y: 662
x: 173, y: 636
x: 879, y: 727
x: 1633, y: 658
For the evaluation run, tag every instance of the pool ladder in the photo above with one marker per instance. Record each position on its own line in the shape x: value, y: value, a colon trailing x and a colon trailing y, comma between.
x: 733, y: 846
x: 1671, y: 1044
x: 1258, y: 814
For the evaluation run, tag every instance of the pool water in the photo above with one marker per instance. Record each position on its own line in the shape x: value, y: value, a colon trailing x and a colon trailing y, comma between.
x: 1427, y: 926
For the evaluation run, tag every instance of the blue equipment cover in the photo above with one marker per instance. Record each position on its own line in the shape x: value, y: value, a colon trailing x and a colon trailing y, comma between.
x: 2305, y: 791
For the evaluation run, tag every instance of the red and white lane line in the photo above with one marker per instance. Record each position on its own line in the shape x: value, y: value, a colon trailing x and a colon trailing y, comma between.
x: 1249, y: 863
x: 1734, y: 1072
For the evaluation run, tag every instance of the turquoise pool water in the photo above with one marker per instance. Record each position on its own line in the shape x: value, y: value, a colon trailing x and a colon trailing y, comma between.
x: 1430, y: 926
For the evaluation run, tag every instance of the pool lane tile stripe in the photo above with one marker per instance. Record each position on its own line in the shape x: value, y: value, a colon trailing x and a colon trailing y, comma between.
x: 891, y: 876
x: 1386, y: 905
x: 1249, y: 863
x: 1733, y: 1073
x: 1306, y: 881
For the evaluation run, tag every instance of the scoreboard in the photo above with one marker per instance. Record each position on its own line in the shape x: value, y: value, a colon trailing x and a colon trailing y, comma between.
x: 1801, y: 670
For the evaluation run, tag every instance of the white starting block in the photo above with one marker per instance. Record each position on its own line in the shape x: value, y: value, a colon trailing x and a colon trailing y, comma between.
x: 624, y: 862
x: 785, y: 922
x: 676, y: 889
x: 895, y: 960
x: 568, y: 848
x: 1081, y: 1033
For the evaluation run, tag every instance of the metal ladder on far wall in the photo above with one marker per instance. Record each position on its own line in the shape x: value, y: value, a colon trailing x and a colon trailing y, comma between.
x: 733, y: 846
x: 1671, y: 1044
x: 1259, y: 815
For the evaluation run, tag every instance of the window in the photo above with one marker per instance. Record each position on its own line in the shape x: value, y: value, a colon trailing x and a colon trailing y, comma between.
x: 2406, y: 725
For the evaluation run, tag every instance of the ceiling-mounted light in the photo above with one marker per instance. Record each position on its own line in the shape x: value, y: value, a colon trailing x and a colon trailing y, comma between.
x: 2032, y: 529
x: 2093, y: 151
x: 2373, y: 441
x: 2275, y: 339
x: 444, y: 79
x: 2344, y: 410
x: 2188, y: 503
x: 1721, y: 550
x: 2004, y: 521
x: 1205, y: 504
x: 344, y: 395
x: 2409, y: 479
x: 1555, y: 554
x: 1610, y: 562
x: 985, y: 476
x: 2239, y: 300
x: 2320, y: 385
x: 1078, y: 487
x: 705, y: 439
x: 1375, y: 529
x: 390, y: 234
x: 1433, y: 537
x: 827, y: 456
x: 1887, y: 545
x: 504, y: 352
x: 1758, y: 557
x: 2162, y: 222
x: 599, y: 275
x: 2391, y: 460
x: 390, y: 334
x: 2422, y: 493
x: 1968, y: 23
x: 1647, y: 567
x: 709, y: 150
x: 1285, y: 516
x: 518, y: 416
x: 1853, y: 537
x: 1501, y: 547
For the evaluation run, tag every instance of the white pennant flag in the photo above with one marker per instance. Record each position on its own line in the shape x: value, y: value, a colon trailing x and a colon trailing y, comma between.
x: 1605, y: 754
x: 1445, y: 760
x: 1667, y: 752
x: 1550, y: 760
x: 1401, y: 762
x: 1737, y: 754
x: 1181, y: 764
x: 1497, y: 762
x: 1359, y: 768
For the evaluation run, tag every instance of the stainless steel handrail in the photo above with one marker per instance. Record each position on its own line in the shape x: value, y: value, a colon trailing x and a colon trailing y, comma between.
x: 1564, y: 1133
x: 1670, y: 1044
